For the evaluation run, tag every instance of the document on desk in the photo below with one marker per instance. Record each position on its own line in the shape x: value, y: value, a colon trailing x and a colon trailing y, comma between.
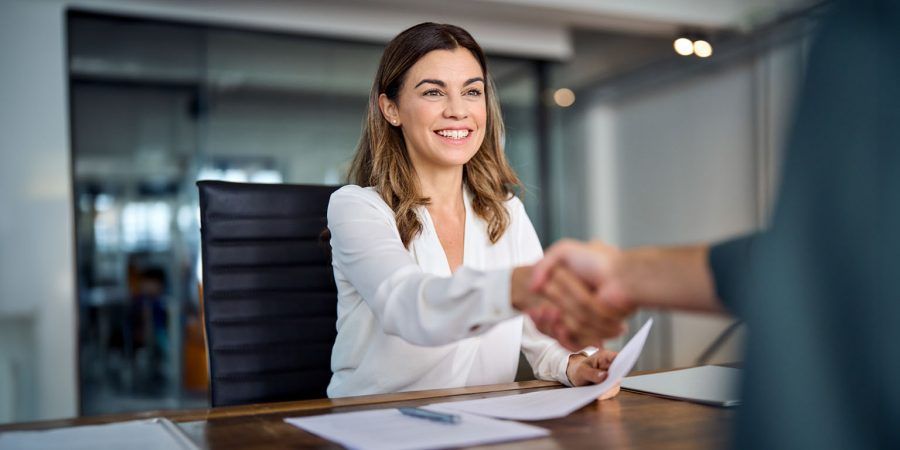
x: 555, y: 403
x: 388, y: 429
x: 134, y: 435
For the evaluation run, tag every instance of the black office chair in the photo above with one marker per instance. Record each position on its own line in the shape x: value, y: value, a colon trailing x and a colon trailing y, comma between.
x: 269, y: 296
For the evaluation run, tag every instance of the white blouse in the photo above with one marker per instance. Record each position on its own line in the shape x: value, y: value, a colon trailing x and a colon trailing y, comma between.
x: 405, y: 322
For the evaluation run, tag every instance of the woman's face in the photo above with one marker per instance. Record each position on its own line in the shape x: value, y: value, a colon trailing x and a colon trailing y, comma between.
x: 441, y: 108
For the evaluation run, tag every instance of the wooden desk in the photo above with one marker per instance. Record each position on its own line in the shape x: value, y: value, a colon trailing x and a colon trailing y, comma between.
x: 631, y: 420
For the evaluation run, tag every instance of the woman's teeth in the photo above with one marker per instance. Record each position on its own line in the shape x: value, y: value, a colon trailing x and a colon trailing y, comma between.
x: 454, y: 134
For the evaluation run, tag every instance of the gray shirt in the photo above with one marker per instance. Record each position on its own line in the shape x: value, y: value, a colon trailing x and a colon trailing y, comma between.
x: 820, y: 289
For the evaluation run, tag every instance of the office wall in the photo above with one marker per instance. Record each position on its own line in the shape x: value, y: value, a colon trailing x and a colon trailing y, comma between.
x: 37, y: 277
x: 685, y: 174
x: 37, y: 284
x: 689, y: 160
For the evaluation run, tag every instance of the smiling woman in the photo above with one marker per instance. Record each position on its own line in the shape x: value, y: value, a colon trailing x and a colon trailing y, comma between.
x: 442, y: 120
x: 431, y: 248
x: 449, y: 91
x: 443, y: 125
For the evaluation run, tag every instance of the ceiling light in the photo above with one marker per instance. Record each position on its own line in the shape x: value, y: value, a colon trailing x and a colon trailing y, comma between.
x: 702, y: 48
x: 683, y: 46
x: 564, y: 97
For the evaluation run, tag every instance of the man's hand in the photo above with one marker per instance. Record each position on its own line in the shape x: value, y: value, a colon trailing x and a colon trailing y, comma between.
x: 596, y: 263
x: 583, y: 323
x: 579, y: 321
x: 661, y: 277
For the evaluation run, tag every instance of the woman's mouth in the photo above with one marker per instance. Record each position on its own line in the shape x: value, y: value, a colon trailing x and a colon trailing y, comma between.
x: 454, y: 135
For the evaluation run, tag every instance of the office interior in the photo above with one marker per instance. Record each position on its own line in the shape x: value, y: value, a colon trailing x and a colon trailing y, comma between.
x: 112, y: 110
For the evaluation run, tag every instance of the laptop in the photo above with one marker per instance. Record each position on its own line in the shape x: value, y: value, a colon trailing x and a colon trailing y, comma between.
x: 709, y: 385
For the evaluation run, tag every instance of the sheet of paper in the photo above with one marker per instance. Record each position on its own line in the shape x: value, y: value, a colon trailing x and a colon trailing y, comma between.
x: 150, y: 434
x: 389, y: 429
x: 712, y: 385
x: 551, y: 404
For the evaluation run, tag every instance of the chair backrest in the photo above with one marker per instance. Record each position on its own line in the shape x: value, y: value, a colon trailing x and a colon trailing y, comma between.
x: 269, y: 297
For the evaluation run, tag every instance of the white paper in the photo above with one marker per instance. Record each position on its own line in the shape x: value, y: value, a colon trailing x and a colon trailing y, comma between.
x: 389, y: 429
x: 150, y: 434
x: 555, y: 403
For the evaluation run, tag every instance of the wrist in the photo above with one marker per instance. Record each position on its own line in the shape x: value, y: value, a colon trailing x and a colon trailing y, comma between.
x: 667, y: 277
x: 575, y: 360
x: 520, y: 296
x: 637, y: 269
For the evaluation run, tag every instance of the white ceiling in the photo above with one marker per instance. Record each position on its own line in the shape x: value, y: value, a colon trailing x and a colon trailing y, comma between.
x: 656, y: 17
x: 531, y: 28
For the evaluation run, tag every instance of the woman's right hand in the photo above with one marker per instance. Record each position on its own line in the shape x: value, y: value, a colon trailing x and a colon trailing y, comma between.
x: 569, y: 305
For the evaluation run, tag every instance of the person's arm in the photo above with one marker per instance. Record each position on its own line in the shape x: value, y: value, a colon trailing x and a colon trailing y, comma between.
x: 422, y: 308
x: 670, y: 277
x: 700, y: 277
x: 676, y: 277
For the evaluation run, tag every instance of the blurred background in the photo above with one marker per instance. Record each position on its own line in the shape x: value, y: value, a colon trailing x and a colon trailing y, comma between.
x: 659, y: 121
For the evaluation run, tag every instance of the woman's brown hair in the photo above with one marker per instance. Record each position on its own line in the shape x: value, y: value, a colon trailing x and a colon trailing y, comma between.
x: 382, y: 159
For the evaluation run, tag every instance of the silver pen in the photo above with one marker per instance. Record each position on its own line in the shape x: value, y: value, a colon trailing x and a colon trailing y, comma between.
x: 435, y: 416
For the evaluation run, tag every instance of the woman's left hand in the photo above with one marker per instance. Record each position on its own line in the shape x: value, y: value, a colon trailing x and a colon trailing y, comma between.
x: 584, y: 370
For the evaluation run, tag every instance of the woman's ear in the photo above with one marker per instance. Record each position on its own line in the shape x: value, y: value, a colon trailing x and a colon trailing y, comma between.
x: 389, y: 110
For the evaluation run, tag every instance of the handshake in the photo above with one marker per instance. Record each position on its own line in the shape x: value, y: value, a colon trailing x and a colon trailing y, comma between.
x: 581, y: 292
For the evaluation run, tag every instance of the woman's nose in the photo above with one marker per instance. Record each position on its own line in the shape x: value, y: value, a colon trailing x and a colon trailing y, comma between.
x: 456, y: 108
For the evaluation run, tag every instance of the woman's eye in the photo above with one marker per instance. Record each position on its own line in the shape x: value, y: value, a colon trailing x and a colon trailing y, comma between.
x: 473, y: 92
x: 432, y: 93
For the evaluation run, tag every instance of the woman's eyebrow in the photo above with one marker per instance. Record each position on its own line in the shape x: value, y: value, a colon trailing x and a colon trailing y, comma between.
x: 443, y: 85
x: 429, y: 80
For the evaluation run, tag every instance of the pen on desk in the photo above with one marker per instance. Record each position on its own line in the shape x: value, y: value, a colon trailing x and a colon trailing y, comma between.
x: 431, y: 415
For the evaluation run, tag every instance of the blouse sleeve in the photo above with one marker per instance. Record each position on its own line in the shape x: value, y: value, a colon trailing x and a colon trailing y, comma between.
x: 422, y: 308
x: 548, y: 359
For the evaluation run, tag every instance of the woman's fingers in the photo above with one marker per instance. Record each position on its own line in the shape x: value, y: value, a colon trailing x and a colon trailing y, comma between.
x: 595, y: 321
x: 595, y: 370
x: 606, y: 359
x: 593, y: 376
x: 544, y: 316
x: 579, y: 318
x: 569, y: 293
x: 569, y: 330
x: 552, y: 257
x: 564, y: 337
